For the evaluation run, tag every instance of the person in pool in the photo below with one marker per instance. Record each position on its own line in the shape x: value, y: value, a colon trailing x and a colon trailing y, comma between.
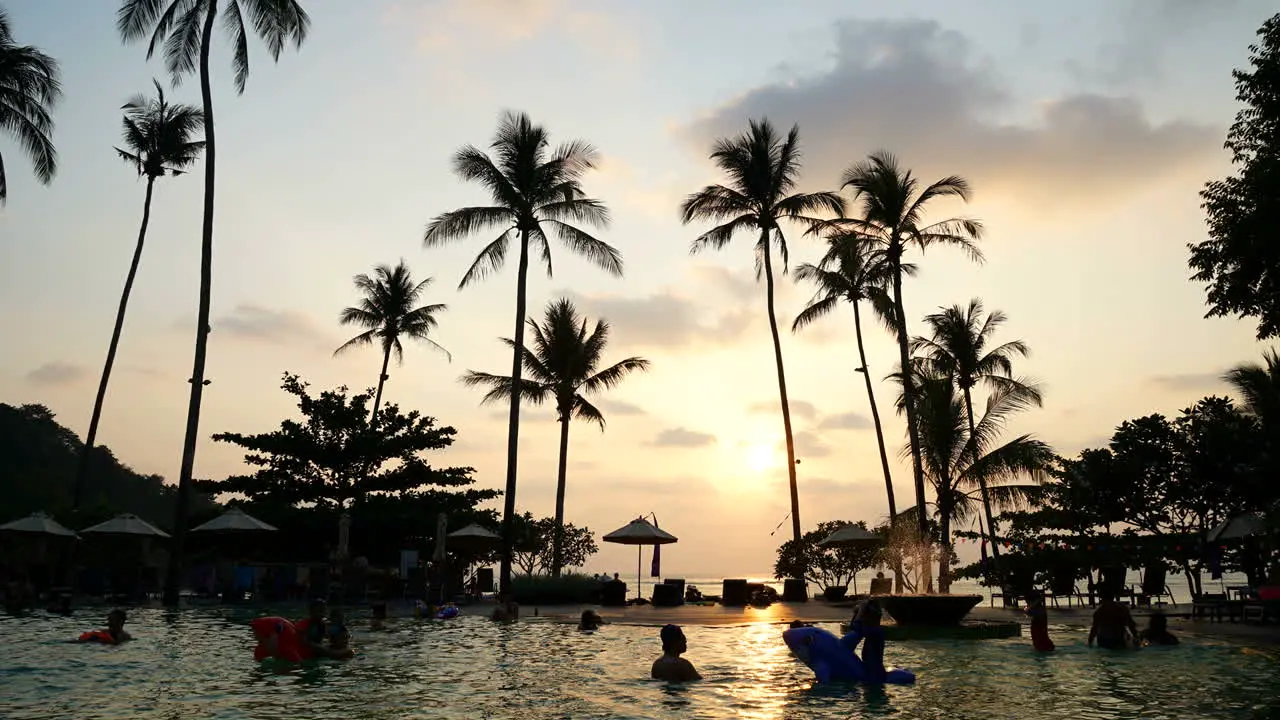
x: 590, y: 621
x: 314, y: 630
x: 868, y: 623
x: 339, y: 635
x: 1157, y: 632
x: 115, y: 632
x: 1113, y: 626
x: 671, y: 667
x: 1039, y: 615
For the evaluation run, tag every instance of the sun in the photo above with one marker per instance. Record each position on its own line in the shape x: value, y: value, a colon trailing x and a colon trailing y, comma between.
x: 760, y: 457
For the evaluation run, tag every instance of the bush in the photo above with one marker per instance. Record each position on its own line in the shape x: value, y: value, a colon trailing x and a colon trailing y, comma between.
x: 568, y: 589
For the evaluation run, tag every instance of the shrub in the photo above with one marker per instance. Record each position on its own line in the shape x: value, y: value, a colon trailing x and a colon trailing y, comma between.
x: 568, y: 589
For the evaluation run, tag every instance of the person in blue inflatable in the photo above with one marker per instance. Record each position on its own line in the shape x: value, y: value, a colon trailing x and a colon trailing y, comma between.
x: 872, y: 642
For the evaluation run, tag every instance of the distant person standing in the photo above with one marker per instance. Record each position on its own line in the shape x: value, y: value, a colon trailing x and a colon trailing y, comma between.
x: 507, y: 610
x: 671, y: 667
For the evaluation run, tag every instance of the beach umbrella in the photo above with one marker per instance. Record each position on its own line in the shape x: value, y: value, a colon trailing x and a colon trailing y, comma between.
x: 639, y: 532
x: 37, y: 523
x: 473, y: 537
x: 235, y: 521
x: 852, y: 536
x: 1238, y: 527
x: 126, y: 524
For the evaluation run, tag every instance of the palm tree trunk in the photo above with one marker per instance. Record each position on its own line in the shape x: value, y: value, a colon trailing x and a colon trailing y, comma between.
x: 513, y: 422
x: 875, y: 415
x: 944, y: 561
x: 875, y: 418
x: 982, y: 483
x: 176, y: 546
x: 82, y: 472
x: 382, y: 378
x: 909, y: 401
x: 782, y: 389
x: 558, y: 539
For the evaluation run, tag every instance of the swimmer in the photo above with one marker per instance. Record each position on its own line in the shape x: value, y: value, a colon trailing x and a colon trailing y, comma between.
x: 339, y: 635
x: 1039, y: 615
x: 1113, y: 626
x: 1157, y: 632
x: 115, y: 632
x: 873, y: 642
x: 671, y: 667
x: 590, y: 621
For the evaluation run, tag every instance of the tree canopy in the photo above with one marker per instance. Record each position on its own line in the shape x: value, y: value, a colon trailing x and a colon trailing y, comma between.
x: 1240, y: 260
x: 38, y: 459
x: 823, y: 566
x: 535, y: 545
x: 332, y: 457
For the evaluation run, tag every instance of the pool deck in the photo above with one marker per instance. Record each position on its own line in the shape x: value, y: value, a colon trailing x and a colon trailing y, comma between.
x: 819, y: 611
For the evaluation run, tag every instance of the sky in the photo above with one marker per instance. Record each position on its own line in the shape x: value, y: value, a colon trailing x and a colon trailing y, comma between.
x: 1086, y: 129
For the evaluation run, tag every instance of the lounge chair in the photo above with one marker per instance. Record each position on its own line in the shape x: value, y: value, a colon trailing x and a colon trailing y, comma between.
x: 1062, y: 584
x: 881, y: 586
x: 1154, y: 586
x: 1210, y: 605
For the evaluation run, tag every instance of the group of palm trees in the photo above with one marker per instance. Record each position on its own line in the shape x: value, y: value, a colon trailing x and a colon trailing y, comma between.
x: 535, y: 192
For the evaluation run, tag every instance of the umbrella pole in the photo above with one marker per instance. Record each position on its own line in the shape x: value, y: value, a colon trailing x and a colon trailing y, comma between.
x: 639, y: 551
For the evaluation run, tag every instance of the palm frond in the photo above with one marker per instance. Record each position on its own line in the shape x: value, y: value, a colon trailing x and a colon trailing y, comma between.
x: 488, y: 261
x: 30, y: 87
x: 463, y: 222
x: 583, y: 244
x: 499, y: 386
x: 584, y: 410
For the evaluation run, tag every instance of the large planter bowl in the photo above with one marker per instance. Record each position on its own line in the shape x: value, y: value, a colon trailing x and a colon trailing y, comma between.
x: 835, y: 594
x: 933, y: 610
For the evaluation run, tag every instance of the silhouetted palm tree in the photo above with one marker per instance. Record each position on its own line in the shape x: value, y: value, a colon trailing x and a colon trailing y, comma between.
x: 564, y: 367
x: 534, y: 188
x: 958, y: 348
x: 1259, y: 389
x: 29, y: 88
x: 158, y: 137
x: 853, y: 270
x: 891, y: 210
x: 761, y: 170
x: 957, y: 459
x: 387, y: 312
x: 185, y: 29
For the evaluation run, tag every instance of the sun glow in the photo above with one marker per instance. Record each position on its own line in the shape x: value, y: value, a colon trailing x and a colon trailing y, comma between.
x: 759, y: 457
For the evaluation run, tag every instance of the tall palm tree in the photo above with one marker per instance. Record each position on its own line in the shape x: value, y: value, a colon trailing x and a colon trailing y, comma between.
x: 564, y: 367
x: 30, y: 86
x: 853, y: 270
x: 387, y: 312
x: 959, y: 348
x: 761, y: 170
x: 185, y: 29
x: 892, y: 206
x: 534, y: 189
x: 958, y: 457
x: 158, y: 137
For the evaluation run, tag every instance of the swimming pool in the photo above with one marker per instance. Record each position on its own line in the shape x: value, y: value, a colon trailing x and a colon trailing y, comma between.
x: 198, y: 664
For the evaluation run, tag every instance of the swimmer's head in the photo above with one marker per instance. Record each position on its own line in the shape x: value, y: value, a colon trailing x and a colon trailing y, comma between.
x: 1159, y: 622
x: 117, y: 618
x: 316, y: 608
x: 673, y: 640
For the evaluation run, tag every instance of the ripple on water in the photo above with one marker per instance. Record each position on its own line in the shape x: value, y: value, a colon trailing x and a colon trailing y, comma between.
x: 198, y: 664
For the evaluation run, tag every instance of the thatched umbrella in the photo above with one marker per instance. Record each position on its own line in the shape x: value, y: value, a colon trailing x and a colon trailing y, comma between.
x: 640, y: 532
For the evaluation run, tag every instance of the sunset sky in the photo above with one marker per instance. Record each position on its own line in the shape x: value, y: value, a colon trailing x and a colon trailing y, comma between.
x: 1086, y: 129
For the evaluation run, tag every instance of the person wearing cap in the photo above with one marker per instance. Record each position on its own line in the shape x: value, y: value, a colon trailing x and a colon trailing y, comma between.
x: 671, y: 667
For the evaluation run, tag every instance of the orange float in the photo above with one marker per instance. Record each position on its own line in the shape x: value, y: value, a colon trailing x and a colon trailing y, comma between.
x: 277, y: 638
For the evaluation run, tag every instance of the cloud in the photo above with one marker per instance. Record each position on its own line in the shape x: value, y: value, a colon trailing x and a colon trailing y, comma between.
x: 526, y: 416
x: 618, y: 407
x: 1189, y: 382
x: 845, y: 421
x: 674, y: 319
x: 55, y: 373
x: 261, y: 324
x: 683, y: 438
x: 809, y: 445
x: 922, y: 91
x: 449, y: 25
x: 799, y: 408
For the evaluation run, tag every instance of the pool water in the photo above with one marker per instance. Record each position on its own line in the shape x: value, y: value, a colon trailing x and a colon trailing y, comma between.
x: 198, y: 664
